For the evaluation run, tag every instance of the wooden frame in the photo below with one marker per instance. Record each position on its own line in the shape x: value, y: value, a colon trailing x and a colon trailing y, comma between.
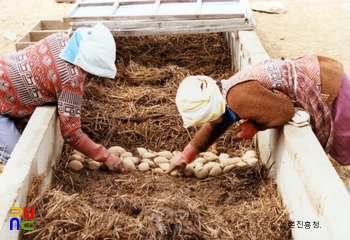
x: 156, y: 17
x: 41, y: 30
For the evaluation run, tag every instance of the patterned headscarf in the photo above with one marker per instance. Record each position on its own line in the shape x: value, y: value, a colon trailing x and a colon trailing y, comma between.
x: 199, y: 100
x: 92, y: 49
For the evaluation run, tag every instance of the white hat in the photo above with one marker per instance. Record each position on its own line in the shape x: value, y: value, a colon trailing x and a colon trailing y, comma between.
x: 199, y: 100
x: 92, y: 49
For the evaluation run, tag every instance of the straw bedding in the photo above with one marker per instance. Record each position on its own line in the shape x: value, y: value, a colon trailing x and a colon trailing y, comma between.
x: 137, y: 109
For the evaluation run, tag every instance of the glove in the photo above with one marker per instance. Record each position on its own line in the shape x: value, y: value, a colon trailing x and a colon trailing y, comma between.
x: 114, y: 163
x: 245, y: 130
x: 181, y: 160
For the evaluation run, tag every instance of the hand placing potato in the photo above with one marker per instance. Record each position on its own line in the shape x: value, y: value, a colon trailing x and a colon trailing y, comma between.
x: 114, y: 163
x: 188, y: 163
x: 177, y: 162
x: 128, y: 165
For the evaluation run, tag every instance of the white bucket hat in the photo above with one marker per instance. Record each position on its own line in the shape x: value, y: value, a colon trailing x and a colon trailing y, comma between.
x: 92, y: 49
x: 199, y: 100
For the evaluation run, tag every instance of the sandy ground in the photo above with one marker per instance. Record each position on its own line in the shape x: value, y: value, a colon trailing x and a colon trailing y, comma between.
x: 321, y: 26
x: 306, y: 26
x: 17, y: 17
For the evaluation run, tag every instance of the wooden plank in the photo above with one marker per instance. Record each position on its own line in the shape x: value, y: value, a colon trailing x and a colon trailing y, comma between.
x: 65, y: 1
x: 114, y: 7
x: 50, y: 25
x: 81, y: 3
x: 156, y: 6
x: 199, y: 6
x: 153, y: 17
x: 129, y: 2
x: 87, y: 5
x: 156, y: 15
x: 37, y: 26
x: 154, y: 32
x: 163, y: 24
x: 137, y: 2
x: 41, y: 30
x: 36, y: 36
x: 53, y: 25
x: 72, y: 10
x: 23, y: 45
x: 176, y: 30
x: 95, y: 4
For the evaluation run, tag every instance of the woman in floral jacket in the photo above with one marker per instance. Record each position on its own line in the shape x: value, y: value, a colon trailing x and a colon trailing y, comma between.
x: 266, y: 95
x: 52, y: 71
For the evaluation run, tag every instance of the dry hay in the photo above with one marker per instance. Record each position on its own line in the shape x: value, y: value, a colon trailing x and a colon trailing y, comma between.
x: 103, y: 205
x: 343, y: 171
x: 2, y: 167
x: 139, y: 104
x: 137, y: 109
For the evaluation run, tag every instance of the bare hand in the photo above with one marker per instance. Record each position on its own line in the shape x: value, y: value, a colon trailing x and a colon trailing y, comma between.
x: 114, y: 163
x: 177, y: 162
x: 245, y: 130
x: 181, y: 160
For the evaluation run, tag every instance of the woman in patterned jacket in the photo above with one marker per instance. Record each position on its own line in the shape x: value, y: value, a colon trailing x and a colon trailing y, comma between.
x: 52, y: 71
x: 265, y: 96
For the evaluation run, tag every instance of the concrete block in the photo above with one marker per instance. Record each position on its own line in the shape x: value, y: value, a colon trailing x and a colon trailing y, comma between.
x: 37, y: 151
x: 309, y: 185
x: 249, y: 49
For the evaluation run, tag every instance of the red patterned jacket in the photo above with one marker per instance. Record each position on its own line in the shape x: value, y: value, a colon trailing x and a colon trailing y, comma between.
x: 36, y: 76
